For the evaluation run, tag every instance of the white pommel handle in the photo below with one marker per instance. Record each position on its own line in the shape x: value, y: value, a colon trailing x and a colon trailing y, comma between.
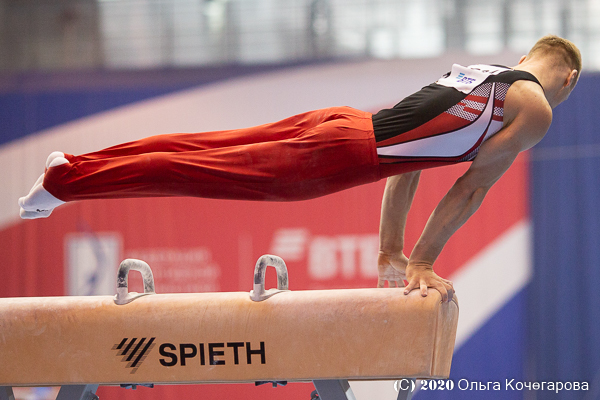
x: 123, y: 296
x: 259, y: 293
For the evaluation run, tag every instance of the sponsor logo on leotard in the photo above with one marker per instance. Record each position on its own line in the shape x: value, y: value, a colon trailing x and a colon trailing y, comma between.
x: 466, y: 79
x: 462, y: 78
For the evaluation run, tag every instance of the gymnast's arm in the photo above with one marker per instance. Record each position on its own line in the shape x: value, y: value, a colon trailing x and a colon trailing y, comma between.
x: 397, y: 199
x: 495, y: 156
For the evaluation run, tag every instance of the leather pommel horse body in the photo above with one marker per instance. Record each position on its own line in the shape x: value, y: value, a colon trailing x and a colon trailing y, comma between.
x: 275, y: 335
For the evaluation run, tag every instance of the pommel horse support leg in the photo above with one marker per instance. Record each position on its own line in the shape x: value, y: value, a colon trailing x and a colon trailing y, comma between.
x: 324, y: 336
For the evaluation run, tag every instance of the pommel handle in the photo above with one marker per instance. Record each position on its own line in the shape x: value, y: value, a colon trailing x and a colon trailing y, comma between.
x: 123, y: 296
x: 259, y: 293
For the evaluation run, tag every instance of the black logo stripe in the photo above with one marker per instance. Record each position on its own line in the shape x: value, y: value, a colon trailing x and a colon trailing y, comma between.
x: 134, y: 350
x: 124, y: 352
x: 120, y: 344
x: 141, y: 356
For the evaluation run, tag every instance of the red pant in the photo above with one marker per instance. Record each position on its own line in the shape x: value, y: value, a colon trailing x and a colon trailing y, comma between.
x: 301, y: 157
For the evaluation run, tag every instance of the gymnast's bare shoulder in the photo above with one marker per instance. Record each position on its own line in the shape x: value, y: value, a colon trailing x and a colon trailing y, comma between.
x: 527, y: 114
x: 527, y: 117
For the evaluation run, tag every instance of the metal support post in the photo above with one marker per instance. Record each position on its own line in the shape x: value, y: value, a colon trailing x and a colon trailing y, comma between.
x: 335, y: 389
x: 6, y: 393
x: 405, y: 390
x: 77, y: 392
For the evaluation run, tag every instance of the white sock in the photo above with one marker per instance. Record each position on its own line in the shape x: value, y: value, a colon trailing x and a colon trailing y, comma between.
x: 52, y: 156
x: 39, y: 203
x: 38, y: 182
x: 58, y: 161
x: 39, y: 199
x: 34, y: 214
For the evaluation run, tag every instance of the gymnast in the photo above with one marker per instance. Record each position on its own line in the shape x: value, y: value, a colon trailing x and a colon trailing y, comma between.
x: 485, y: 114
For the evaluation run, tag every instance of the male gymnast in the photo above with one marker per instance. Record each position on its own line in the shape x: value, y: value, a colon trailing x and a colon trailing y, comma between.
x: 482, y: 113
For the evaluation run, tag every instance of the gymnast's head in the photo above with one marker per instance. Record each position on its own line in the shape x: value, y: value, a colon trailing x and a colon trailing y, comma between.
x: 560, y: 60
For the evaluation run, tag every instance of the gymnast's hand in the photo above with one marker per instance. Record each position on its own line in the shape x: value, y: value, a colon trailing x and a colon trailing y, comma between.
x: 421, y: 276
x: 391, y: 269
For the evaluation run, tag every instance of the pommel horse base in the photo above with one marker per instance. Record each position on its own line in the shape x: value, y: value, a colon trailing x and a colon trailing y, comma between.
x: 324, y: 336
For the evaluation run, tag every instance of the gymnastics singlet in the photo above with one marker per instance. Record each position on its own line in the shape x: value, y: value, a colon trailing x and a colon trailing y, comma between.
x: 445, y: 122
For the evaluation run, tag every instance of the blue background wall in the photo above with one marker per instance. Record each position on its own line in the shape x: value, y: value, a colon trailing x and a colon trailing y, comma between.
x: 564, y: 296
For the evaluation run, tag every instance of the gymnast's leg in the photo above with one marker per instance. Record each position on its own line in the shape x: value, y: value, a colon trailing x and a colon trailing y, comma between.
x: 287, y: 160
x: 39, y: 202
x: 181, y: 142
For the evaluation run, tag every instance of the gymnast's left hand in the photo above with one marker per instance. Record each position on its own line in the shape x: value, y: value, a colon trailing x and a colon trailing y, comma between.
x: 421, y: 276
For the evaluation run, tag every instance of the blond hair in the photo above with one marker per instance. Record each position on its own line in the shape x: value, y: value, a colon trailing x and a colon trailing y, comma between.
x: 571, y: 55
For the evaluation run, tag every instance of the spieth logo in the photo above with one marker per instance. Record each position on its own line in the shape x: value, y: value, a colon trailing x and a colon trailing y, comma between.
x: 134, y: 351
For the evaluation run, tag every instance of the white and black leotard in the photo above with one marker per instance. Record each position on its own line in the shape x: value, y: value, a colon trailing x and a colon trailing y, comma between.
x: 447, y: 121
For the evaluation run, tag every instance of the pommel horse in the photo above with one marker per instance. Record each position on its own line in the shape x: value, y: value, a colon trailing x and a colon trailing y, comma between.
x: 276, y: 335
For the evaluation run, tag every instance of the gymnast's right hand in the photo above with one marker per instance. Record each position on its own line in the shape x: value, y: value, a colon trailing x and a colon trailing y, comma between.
x: 391, y: 268
x: 420, y: 276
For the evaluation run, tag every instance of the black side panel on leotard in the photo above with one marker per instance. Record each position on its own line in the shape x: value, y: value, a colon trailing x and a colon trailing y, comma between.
x: 429, y: 102
x: 415, y: 110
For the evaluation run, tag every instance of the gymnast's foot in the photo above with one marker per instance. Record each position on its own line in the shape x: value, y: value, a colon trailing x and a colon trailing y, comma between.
x: 39, y: 203
x: 53, y: 156
x: 35, y: 214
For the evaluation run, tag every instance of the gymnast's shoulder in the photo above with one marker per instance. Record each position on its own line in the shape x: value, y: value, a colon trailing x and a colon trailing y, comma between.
x: 527, y: 109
